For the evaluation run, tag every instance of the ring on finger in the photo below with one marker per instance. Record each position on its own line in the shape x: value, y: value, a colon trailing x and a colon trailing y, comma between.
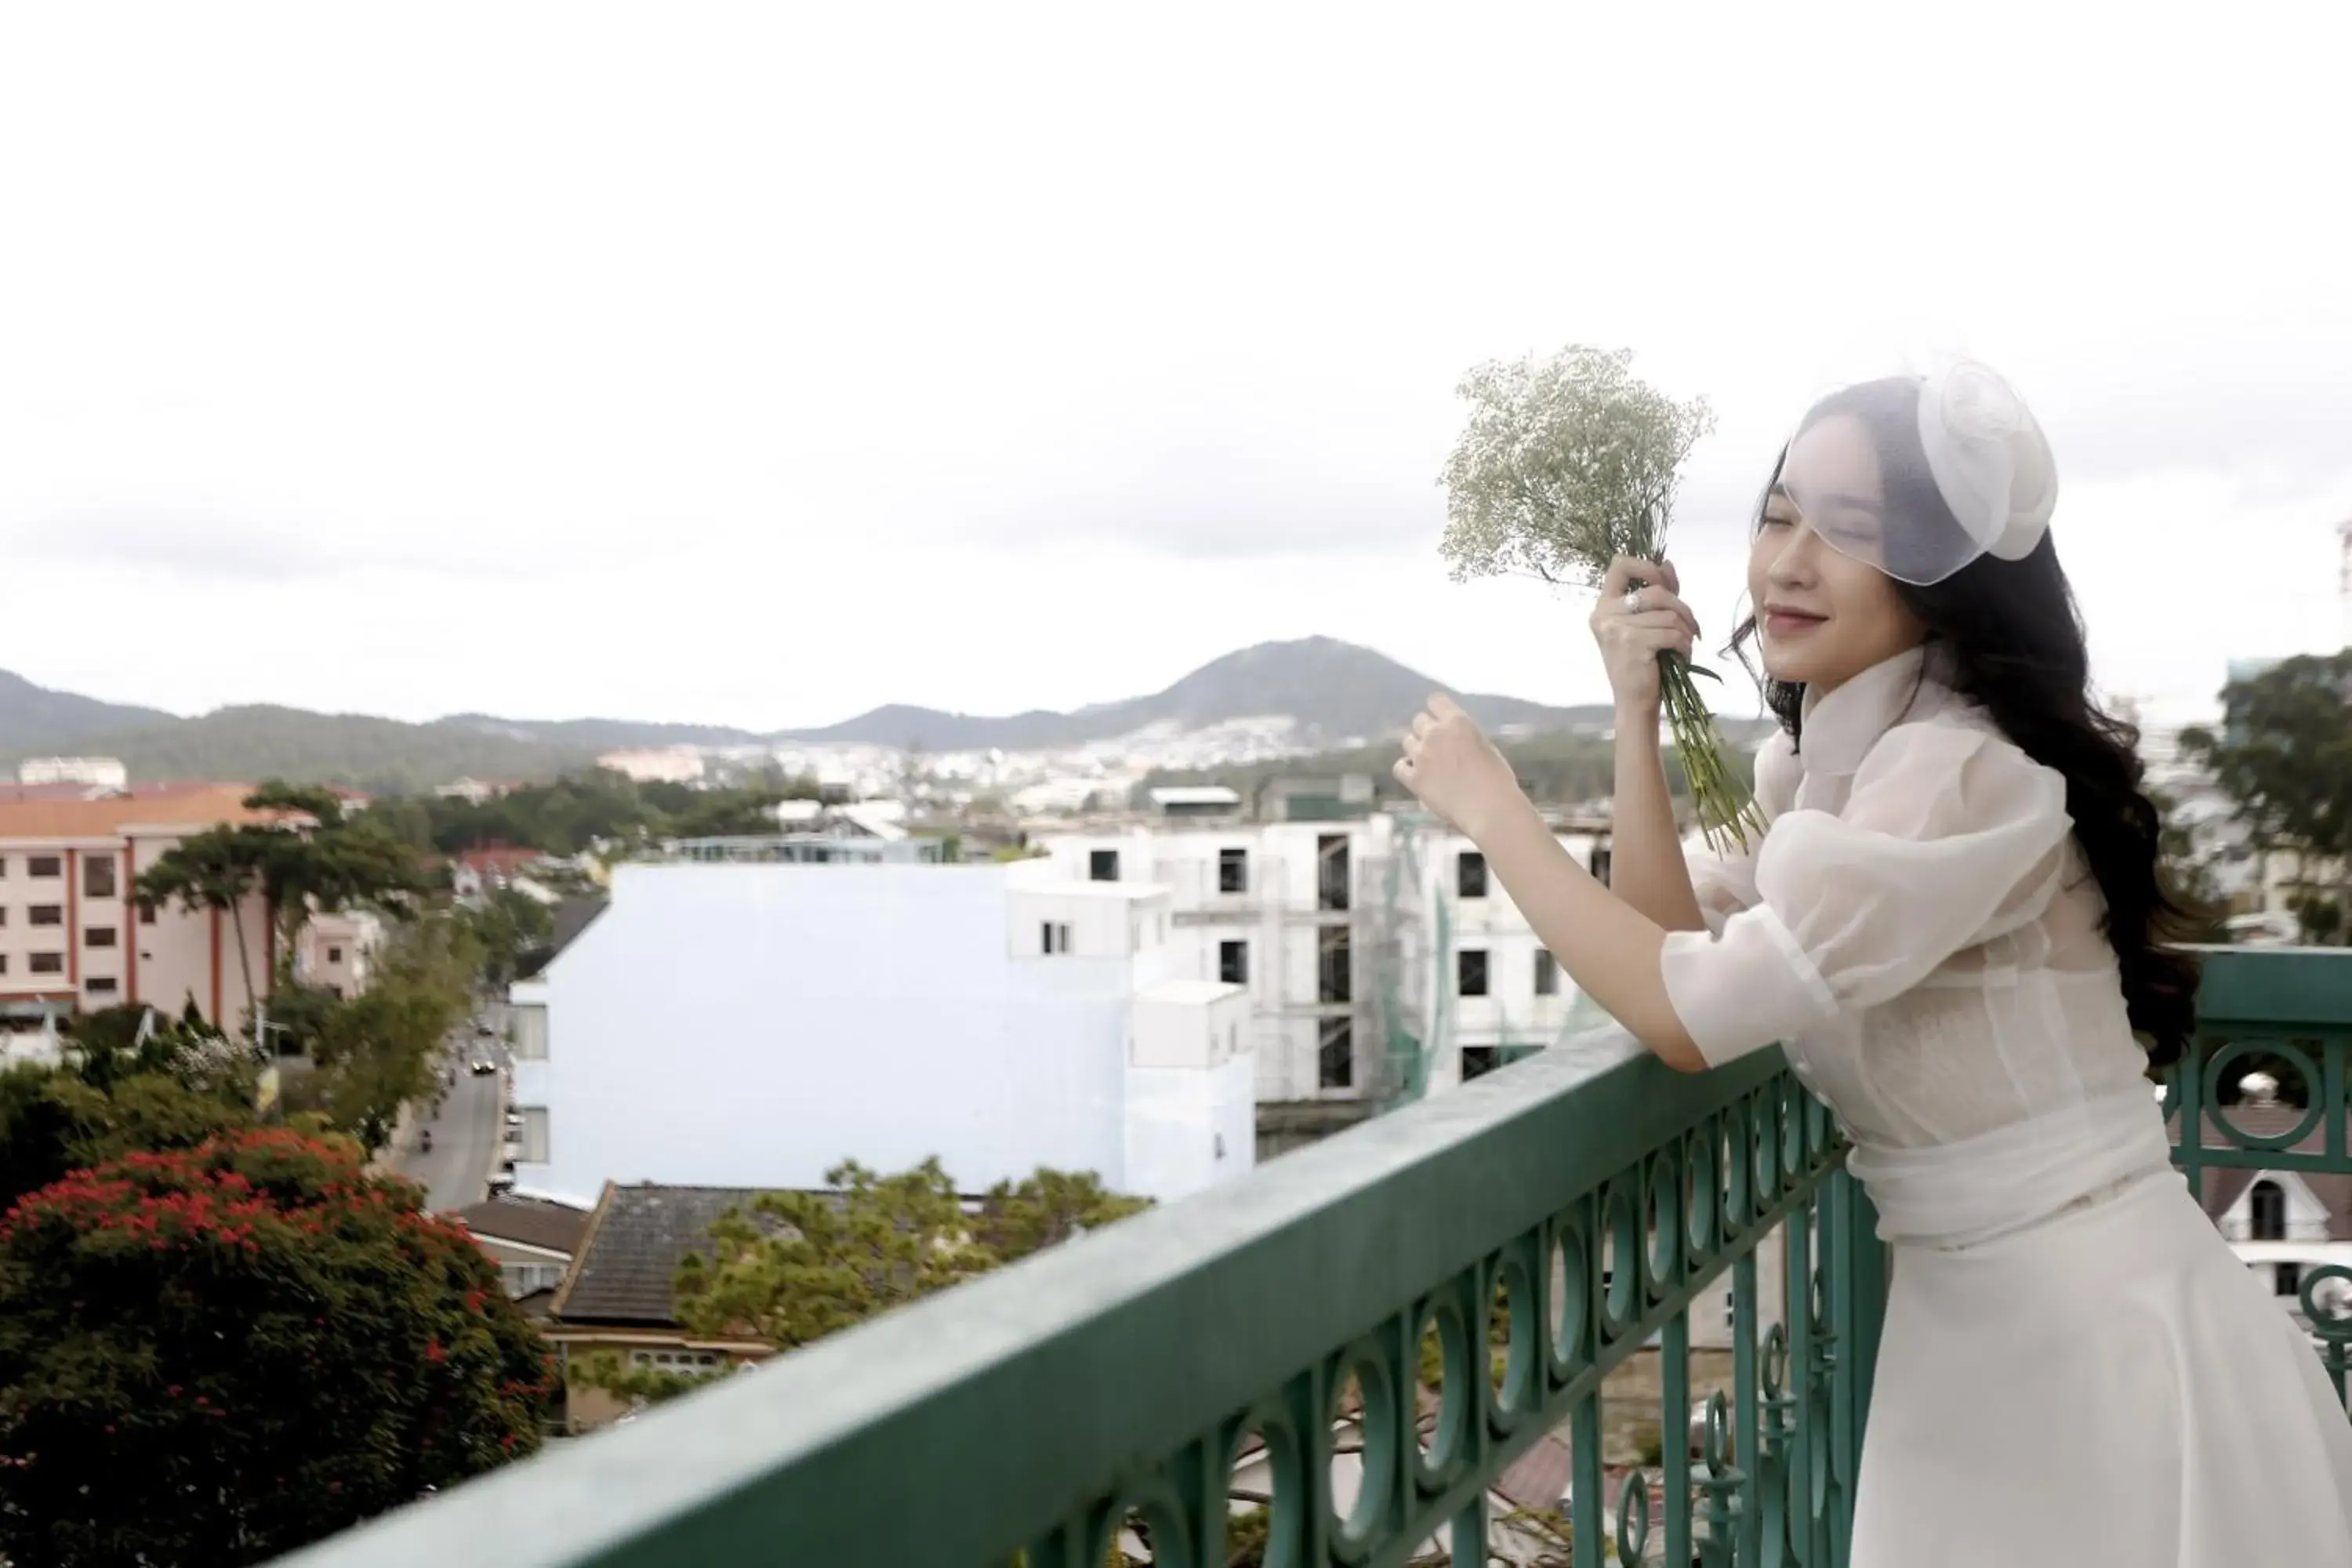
x: 1632, y: 601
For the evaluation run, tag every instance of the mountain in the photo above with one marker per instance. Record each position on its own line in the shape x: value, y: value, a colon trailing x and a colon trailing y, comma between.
x: 382, y: 755
x: 36, y: 720
x: 604, y: 734
x: 1335, y: 690
x: 1338, y: 694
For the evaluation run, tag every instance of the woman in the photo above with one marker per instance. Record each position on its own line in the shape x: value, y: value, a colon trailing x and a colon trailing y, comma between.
x: 1953, y: 924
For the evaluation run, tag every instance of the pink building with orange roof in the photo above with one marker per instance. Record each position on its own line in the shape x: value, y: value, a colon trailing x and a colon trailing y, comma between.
x: 70, y: 934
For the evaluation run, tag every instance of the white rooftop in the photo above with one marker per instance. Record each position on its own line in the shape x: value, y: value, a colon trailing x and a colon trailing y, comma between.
x: 1195, y: 794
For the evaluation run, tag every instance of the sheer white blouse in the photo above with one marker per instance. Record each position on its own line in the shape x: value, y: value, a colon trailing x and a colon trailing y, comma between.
x: 1916, y: 927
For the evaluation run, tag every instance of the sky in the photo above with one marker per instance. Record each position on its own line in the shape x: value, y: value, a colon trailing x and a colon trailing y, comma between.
x: 758, y: 365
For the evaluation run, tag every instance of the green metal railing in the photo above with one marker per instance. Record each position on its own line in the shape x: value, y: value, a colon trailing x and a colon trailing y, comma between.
x: 2288, y: 1010
x: 1550, y: 1228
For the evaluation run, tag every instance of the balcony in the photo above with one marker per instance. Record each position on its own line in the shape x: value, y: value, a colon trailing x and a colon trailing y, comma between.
x: 1385, y: 1334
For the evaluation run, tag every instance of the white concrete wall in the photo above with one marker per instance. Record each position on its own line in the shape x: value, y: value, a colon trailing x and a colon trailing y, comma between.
x: 1189, y: 1127
x: 755, y: 1024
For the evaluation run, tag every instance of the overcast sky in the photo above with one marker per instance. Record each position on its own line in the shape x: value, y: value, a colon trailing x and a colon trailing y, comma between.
x: 761, y: 363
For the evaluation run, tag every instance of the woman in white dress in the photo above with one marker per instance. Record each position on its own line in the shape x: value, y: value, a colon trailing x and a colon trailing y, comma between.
x: 1953, y: 924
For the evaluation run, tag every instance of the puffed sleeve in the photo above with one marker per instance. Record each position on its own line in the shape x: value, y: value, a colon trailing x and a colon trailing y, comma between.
x: 1951, y: 836
x: 1724, y: 881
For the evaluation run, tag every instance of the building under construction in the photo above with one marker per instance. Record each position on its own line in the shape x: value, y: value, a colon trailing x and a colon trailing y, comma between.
x: 1380, y: 959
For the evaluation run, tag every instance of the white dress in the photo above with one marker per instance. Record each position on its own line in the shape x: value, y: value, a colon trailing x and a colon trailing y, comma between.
x: 2075, y: 1368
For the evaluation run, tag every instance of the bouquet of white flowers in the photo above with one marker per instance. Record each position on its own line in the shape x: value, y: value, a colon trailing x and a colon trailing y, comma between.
x: 1568, y: 463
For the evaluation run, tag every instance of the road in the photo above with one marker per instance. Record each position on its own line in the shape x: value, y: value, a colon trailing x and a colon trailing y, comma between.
x: 466, y: 1131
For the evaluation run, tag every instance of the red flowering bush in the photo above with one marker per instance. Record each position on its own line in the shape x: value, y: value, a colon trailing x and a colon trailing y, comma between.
x: 213, y: 1356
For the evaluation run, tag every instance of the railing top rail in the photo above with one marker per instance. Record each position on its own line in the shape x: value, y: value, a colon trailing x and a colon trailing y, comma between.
x: 2275, y: 987
x: 1051, y: 1381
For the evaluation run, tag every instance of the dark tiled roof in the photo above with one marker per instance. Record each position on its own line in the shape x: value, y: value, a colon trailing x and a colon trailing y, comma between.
x: 2221, y: 1186
x: 635, y: 1242
x: 534, y: 1222
x: 572, y: 917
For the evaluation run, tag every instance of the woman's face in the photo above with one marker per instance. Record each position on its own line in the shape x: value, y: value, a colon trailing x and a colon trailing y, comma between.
x: 1823, y: 615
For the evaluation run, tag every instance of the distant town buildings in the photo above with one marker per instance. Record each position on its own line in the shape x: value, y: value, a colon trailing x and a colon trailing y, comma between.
x: 476, y: 790
x: 103, y: 772
x: 666, y: 765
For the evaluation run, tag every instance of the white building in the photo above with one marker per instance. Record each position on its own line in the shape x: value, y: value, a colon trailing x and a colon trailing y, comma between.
x: 100, y: 772
x: 658, y: 765
x: 1380, y: 957
x: 754, y: 1025
x: 336, y: 950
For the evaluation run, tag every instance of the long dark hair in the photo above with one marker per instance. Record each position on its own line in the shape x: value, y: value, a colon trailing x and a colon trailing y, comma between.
x: 2012, y: 638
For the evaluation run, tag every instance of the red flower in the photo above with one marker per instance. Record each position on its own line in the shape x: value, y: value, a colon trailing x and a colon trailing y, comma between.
x: 433, y: 1352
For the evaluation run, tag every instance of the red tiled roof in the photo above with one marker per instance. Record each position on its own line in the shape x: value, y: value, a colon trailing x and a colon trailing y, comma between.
x: 193, y: 807
x: 22, y: 792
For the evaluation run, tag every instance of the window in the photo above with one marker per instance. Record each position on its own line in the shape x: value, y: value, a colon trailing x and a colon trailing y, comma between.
x: 44, y: 865
x: 2267, y: 1204
x: 146, y: 916
x: 1335, y: 1058
x: 1233, y: 963
x: 97, y: 936
x: 46, y: 914
x: 534, y: 1135
x: 1334, y: 965
x: 1470, y: 971
x: 1233, y: 870
x: 1056, y: 937
x: 530, y: 1033
x: 1102, y: 865
x: 1470, y: 874
x: 1547, y: 972
x: 1479, y: 1060
x: 1331, y: 871
x: 99, y: 985
x: 4, y: 963
x: 334, y: 955
x: 48, y: 963
x: 523, y: 1278
x: 3, y: 918
x: 1599, y: 865
x: 98, y: 876
x: 2287, y: 1278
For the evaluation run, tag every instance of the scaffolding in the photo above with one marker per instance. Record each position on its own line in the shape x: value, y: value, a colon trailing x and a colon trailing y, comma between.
x: 1408, y: 1036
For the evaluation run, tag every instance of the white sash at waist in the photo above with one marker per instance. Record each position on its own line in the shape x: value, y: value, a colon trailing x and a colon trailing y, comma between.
x: 1954, y: 1195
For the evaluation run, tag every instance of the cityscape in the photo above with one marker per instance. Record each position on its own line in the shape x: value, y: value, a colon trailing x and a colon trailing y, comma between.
x: 1064, y: 787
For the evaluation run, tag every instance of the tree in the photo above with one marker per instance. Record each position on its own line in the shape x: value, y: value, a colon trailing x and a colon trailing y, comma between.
x: 318, y: 860
x: 310, y: 860
x: 1046, y: 1210
x: 2283, y: 756
x: 218, y: 869
x: 799, y: 1266
x: 179, y: 1090
x: 795, y: 1266
x: 507, y: 925
x: 211, y: 1357
x: 377, y: 1051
